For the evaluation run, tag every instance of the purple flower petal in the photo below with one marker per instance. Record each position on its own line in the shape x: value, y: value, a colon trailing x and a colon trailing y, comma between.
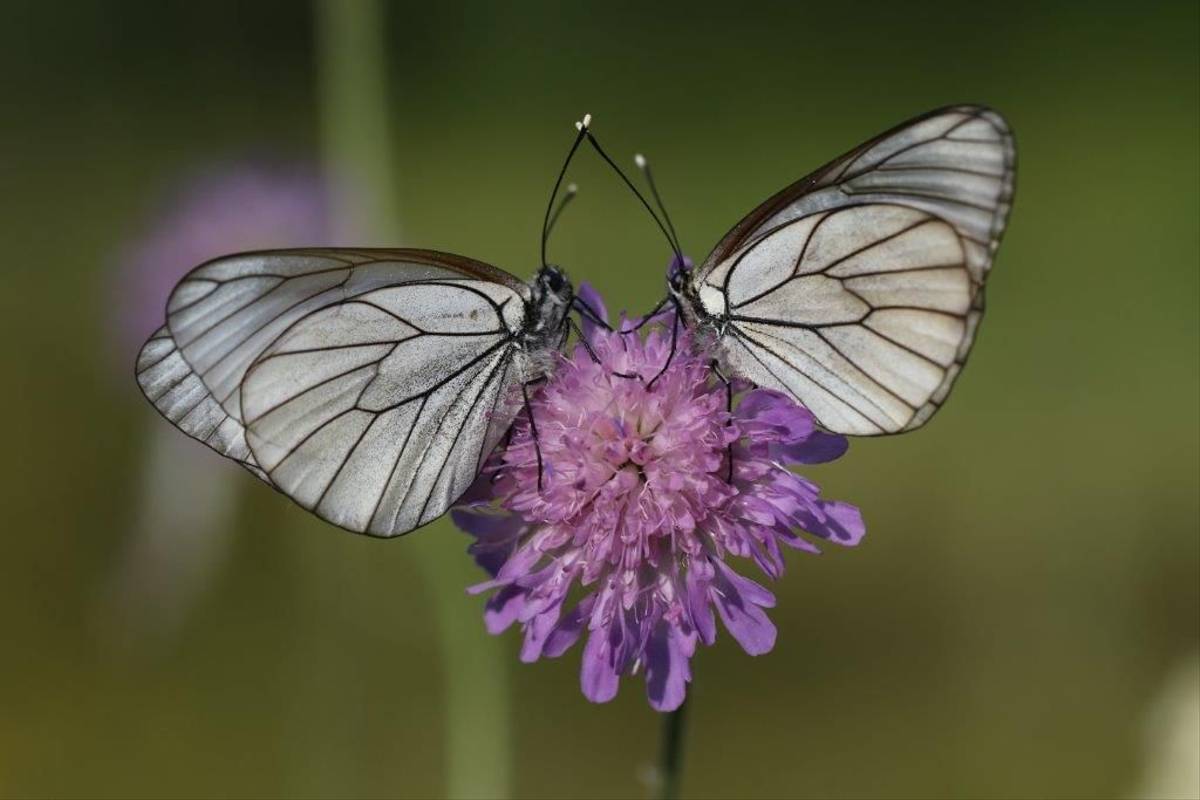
x: 568, y: 629
x: 496, y: 536
x: 503, y: 609
x: 588, y: 295
x: 818, y: 448
x: 740, y: 602
x: 536, y: 631
x: 699, y: 579
x: 842, y: 523
x: 792, y: 423
x: 667, y: 670
x: 597, y: 677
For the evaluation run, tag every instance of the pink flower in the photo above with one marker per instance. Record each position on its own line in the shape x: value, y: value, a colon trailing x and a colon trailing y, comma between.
x: 637, y: 508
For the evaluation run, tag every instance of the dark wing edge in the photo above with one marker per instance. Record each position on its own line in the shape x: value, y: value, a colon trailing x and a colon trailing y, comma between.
x: 469, y: 267
x: 227, y: 311
x: 738, y: 235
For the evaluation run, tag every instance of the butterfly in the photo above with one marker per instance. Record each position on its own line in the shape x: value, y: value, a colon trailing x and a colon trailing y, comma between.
x: 368, y: 385
x: 858, y: 290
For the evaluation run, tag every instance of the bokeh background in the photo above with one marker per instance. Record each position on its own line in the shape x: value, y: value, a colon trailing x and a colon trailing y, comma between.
x: 1022, y: 618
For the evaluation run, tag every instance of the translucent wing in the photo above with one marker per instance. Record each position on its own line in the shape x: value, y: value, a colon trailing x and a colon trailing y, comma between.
x: 225, y: 313
x: 179, y: 395
x: 377, y: 413
x: 859, y: 289
x: 368, y: 385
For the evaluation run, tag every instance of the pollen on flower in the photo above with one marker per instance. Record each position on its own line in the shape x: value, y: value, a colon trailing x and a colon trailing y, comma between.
x: 638, y: 514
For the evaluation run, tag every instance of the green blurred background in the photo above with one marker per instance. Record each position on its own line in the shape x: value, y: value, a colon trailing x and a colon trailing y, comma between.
x: 1029, y: 582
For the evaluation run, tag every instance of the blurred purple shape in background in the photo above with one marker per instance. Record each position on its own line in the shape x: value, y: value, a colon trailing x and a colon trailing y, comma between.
x: 186, y: 494
x: 222, y: 209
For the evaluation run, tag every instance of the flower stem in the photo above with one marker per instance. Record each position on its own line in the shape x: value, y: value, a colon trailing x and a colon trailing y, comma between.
x: 477, y: 713
x: 671, y: 763
x: 358, y: 149
x: 356, y: 135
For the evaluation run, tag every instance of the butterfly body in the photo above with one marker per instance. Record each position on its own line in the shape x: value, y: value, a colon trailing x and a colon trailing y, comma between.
x: 369, y: 385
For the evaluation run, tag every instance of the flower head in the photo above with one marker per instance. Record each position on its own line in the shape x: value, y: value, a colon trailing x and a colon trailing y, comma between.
x: 648, y: 487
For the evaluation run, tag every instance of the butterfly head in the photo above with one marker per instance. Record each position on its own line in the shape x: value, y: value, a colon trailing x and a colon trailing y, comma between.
x: 552, y: 280
x: 678, y: 272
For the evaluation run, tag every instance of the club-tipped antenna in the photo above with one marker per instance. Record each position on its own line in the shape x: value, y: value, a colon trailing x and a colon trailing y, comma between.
x: 600, y: 150
x: 644, y: 166
x: 581, y: 127
x: 568, y: 196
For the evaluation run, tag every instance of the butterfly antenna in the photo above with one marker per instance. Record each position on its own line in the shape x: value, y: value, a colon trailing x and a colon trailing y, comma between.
x: 600, y: 150
x: 567, y: 197
x: 644, y: 166
x: 548, y: 220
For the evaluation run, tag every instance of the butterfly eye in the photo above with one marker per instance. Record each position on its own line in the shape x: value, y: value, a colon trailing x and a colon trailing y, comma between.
x: 553, y: 279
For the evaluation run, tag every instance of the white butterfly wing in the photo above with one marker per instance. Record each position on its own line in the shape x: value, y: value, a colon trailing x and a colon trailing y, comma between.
x: 263, y: 351
x: 179, y: 395
x: 225, y: 313
x: 377, y: 414
x: 859, y: 289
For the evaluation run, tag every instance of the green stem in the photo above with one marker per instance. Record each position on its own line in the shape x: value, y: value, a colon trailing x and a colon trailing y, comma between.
x: 671, y: 758
x: 475, y: 673
x: 357, y: 145
x: 355, y: 131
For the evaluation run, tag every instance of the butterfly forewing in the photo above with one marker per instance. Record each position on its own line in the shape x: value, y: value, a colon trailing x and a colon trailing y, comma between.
x: 368, y: 385
x: 377, y: 413
x: 859, y: 289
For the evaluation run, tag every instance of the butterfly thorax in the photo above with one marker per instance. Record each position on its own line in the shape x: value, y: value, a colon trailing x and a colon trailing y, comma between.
x: 546, y: 311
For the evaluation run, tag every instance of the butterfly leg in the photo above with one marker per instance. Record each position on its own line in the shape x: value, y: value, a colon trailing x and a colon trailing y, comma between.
x: 674, y: 345
x: 505, y: 441
x: 646, y: 319
x: 537, y: 446
x: 586, y: 310
x: 595, y: 358
x: 583, y: 340
x: 716, y: 370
